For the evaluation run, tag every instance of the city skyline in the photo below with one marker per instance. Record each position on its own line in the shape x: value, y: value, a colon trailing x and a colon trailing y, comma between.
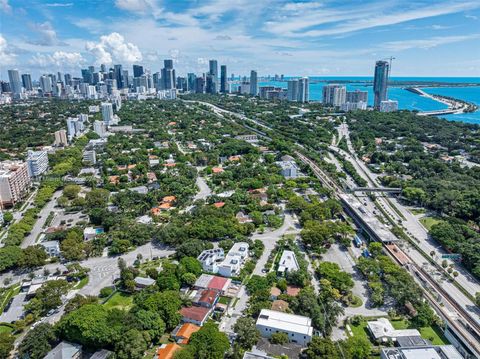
x: 305, y: 38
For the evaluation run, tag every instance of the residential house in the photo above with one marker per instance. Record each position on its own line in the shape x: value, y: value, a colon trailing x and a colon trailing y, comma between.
x: 210, y: 259
x: 288, y: 263
x: 51, y: 247
x: 183, y: 332
x: 167, y: 351
x: 206, y: 298
x: 143, y: 282
x: 65, y: 350
x: 195, y: 315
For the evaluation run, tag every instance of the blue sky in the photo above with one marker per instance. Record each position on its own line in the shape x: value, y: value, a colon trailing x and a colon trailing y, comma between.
x: 325, y: 38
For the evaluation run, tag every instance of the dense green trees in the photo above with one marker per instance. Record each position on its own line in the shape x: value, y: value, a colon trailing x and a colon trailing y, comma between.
x: 428, y: 175
x: 247, y: 333
x: 340, y: 280
x: 37, y: 342
x: 207, y: 343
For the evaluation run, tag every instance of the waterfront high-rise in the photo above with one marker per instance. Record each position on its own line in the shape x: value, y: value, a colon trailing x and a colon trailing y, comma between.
x: 253, y: 83
x: 334, y: 95
x: 27, y: 82
x: 303, y: 90
x: 223, y: 79
x: 292, y: 90
x: 357, y: 96
x: 15, y: 83
x: 380, y: 83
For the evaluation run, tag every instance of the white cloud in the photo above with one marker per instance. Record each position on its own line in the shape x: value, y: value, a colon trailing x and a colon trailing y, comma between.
x: 357, y: 18
x: 59, y: 59
x: 113, y: 48
x: 5, y: 6
x: 427, y: 43
x: 58, y: 4
x: 7, y: 56
x: 138, y: 6
x: 47, y: 35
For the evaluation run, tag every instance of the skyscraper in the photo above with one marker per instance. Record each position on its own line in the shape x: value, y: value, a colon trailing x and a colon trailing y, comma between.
x: 107, y: 113
x: 137, y: 70
x: 46, y: 84
x: 292, y: 90
x: 15, y: 83
x: 303, y: 90
x: 223, y: 79
x: 357, y: 96
x: 253, y: 83
x: 334, y: 95
x: 87, y: 76
x: 168, y: 75
x: 191, y: 78
x: 380, y: 83
x: 27, y: 82
x: 118, y: 73
x: 212, y: 77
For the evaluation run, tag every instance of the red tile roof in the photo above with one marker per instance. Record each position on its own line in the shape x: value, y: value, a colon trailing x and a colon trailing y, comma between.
x: 195, y: 313
x: 219, y: 204
x: 217, y: 283
x: 208, y: 296
x: 186, y: 331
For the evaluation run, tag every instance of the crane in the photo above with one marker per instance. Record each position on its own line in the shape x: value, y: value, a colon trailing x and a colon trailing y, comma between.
x: 390, y: 59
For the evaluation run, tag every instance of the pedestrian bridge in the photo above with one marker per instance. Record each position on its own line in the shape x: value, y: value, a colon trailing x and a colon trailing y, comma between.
x: 376, y: 189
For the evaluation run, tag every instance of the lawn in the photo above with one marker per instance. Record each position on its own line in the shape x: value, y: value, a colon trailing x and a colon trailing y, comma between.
x: 5, y: 328
x: 418, y: 210
x: 224, y: 300
x: 82, y: 283
x: 428, y: 222
x: 120, y: 301
x: 6, y: 294
x: 433, y: 334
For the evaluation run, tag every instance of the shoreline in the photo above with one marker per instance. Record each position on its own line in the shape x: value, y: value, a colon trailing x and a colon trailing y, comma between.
x: 454, y: 106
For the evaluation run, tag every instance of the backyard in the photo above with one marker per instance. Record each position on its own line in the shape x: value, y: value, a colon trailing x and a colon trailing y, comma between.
x: 432, y: 333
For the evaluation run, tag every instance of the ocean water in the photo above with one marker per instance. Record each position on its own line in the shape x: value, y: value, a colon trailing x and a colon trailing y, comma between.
x: 406, y: 99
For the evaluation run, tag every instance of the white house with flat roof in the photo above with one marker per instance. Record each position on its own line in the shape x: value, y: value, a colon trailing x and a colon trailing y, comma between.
x: 210, y: 259
x: 382, y: 331
x: 234, y: 260
x: 298, y: 328
x: 422, y: 352
x: 288, y: 262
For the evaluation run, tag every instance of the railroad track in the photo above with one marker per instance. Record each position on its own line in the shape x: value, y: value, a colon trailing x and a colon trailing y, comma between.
x: 470, y: 328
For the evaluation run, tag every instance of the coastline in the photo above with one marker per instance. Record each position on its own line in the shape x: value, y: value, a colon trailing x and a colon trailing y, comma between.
x: 454, y: 105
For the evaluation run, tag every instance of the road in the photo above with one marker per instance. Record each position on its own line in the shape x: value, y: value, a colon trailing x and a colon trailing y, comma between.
x: 269, y: 239
x: 42, y: 217
x: 205, y: 191
x: 409, y: 222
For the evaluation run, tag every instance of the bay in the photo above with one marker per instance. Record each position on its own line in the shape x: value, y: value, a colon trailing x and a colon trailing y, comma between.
x: 406, y: 99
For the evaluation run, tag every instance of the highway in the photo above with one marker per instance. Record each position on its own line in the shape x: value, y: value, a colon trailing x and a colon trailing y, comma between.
x: 459, y: 310
x: 451, y: 304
